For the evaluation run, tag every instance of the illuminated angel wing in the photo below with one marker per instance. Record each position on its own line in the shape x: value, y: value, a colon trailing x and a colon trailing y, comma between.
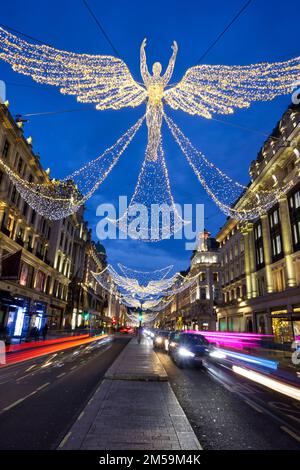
x: 216, y: 89
x: 103, y: 80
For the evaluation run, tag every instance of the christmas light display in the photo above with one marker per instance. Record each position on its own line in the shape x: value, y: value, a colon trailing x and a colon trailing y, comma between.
x: 224, y: 191
x: 204, y: 90
x: 58, y: 199
x: 152, y: 289
x: 152, y: 214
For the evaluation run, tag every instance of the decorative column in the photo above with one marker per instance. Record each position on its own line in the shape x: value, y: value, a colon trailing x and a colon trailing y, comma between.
x: 267, y: 252
x: 252, y: 259
x: 247, y: 262
x: 287, y: 241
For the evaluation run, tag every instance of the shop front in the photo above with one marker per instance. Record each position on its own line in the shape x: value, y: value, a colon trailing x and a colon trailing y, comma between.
x: 285, y: 325
x: 14, y: 314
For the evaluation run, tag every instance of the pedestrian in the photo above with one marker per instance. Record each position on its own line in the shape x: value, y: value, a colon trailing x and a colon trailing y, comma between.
x: 45, y: 331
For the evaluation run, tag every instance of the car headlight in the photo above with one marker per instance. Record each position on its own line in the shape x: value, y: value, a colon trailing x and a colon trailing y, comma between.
x: 185, y: 352
x: 172, y: 344
x: 158, y: 340
x: 217, y: 354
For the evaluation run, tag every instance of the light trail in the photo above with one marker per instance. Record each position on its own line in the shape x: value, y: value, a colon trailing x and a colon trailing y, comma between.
x: 273, y: 384
x: 48, y: 349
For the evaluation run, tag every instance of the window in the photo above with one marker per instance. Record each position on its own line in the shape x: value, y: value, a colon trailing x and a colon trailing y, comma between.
x: 20, y: 165
x: 294, y: 210
x: 275, y: 235
x: 40, y: 281
x: 5, y: 149
x: 203, y: 293
x: 14, y: 195
x: 259, y: 251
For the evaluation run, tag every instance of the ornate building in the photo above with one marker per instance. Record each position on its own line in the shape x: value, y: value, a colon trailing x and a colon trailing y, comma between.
x: 195, y: 307
x: 261, y: 260
x: 52, y: 279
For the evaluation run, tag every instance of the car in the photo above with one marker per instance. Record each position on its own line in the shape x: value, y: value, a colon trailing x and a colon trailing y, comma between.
x: 189, y: 349
x: 171, y: 340
x: 159, y: 340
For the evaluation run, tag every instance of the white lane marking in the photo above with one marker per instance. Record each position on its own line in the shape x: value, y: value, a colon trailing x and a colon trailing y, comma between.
x: 253, y: 406
x: 23, y: 377
x: 80, y: 416
x: 74, y: 367
x: 294, y: 417
x: 60, y: 375
x: 64, y: 440
x: 18, y: 401
x: 43, y: 386
x: 291, y: 433
x: 29, y: 368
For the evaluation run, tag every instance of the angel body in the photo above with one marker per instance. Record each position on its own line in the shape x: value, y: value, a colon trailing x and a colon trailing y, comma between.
x: 155, y: 85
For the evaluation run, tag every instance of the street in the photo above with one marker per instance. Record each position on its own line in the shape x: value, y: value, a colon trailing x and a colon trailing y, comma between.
x: 229, y: 412
x: 40, y: 398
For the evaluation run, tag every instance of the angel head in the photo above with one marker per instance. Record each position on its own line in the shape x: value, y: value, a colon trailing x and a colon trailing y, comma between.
x: 156, y: 69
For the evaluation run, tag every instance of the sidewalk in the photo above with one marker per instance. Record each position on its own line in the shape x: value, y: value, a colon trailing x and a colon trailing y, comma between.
x: 133, y: 408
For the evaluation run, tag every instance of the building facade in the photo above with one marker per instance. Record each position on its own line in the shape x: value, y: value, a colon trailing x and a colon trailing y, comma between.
x: 261, y: 260
x: 195, y: 307
x: 52, y: 282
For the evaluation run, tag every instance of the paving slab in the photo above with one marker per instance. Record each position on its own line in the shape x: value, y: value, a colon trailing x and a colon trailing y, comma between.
x: 133, y: 408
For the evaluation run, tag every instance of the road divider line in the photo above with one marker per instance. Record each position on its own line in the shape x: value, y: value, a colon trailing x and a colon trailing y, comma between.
x: 43, y: 386
x: 80, y: 416
x: 60, y: 375
x: 254, y: 406
x: 64, y: 440
x: 18, y: 401
x: 291, y: 433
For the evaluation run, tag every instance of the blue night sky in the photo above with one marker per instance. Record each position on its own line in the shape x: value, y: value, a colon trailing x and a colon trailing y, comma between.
x: 266, y: 31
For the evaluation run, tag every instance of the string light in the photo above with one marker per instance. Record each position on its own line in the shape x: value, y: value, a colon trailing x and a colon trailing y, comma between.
x: 106, y: 81
x: 220, y: 187
x: 58, y: 199
x: 219, y: 89
x: 150, y: 290
x: 153, y: 201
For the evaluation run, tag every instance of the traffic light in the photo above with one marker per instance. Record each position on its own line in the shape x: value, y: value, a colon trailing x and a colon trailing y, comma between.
x: 140, y: 315
x: 86, y: 315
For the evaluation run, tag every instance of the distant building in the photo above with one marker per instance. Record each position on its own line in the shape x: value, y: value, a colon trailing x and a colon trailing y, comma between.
x: 195, y: 307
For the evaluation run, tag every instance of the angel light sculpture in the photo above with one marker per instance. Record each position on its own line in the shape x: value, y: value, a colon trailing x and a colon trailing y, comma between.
x: 106, y: 81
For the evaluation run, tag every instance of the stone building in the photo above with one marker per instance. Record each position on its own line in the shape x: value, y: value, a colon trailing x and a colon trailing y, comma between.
x: 261, y: 260
x: 195, y: 307
x: 52, y: 281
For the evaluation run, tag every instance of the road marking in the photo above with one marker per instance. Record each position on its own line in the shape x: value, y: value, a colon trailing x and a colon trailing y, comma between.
x: 23, y: 377
x: 291, y: 433
x: 80, y: 416
x: 18, y: 401
x: 64, y: 440
x: 43, y: 386
x: 74, y: 367
x: 31, y: 367
x: 294, y: 417
x: 253, y: 406
x: 60, y: 375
